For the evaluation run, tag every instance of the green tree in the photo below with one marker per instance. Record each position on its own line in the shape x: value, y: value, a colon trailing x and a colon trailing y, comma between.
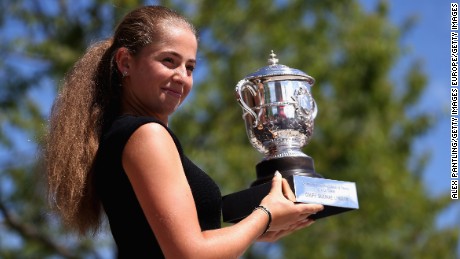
x: 363, y: 132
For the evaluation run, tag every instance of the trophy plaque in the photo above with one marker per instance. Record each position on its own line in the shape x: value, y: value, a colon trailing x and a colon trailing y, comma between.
x: 279, y: 113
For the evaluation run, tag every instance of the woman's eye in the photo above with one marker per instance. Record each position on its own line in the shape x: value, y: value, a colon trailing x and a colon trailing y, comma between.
x: 169, y: 61
x: 190, y: 68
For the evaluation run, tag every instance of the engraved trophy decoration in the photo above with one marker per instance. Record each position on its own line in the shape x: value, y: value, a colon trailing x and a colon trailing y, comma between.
x: 279, y: 113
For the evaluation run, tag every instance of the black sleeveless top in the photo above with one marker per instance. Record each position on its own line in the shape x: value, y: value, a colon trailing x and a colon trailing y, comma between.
x: 130, y: 229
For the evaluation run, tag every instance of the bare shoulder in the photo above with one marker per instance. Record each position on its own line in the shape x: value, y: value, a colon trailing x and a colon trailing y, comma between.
x: 150, y: 135
x: 150, y: 149
x: 150, y: 131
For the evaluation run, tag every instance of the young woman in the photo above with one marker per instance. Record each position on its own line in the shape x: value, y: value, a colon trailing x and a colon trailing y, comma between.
x: 110, y: 148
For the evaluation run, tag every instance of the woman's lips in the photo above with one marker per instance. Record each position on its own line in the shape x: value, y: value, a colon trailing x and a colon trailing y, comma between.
x: 173, y: 93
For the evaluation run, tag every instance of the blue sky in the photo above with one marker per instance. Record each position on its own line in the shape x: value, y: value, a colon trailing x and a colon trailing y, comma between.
x: 429, y: 41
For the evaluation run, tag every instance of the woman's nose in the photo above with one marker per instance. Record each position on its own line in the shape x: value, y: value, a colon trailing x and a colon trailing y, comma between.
x: 181, y: 71
x: 180, y: 75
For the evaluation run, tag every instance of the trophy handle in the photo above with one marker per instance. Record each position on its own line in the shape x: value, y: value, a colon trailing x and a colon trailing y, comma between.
x: 240, y: 87
x: 315, y: 109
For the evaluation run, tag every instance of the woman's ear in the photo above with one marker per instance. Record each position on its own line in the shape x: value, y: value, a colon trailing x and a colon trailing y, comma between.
x: 122, y: 58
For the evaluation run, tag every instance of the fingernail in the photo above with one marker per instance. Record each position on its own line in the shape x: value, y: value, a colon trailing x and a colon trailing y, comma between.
x: 277, y: 173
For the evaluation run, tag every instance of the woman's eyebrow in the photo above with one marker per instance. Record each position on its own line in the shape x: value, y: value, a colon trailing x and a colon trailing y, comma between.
x: 174, y: 53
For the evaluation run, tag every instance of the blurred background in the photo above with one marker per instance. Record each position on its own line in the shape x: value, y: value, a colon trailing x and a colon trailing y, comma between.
x: 382, y: 71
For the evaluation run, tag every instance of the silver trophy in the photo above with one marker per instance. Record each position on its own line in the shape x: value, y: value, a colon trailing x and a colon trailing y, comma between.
x: 279, y: 112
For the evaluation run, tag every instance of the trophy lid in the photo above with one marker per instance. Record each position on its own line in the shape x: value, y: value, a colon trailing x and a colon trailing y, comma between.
x: 275, y: 71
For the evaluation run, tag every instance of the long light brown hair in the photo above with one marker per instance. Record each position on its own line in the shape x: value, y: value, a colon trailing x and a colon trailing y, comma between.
x: 89, y: 100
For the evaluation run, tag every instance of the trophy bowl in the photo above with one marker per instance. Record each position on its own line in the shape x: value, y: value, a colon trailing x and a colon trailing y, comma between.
x: 279, y: 113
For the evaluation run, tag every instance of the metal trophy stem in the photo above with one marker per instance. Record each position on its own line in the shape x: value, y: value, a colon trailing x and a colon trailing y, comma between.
x: 279, y: 113
x: 287, y: 166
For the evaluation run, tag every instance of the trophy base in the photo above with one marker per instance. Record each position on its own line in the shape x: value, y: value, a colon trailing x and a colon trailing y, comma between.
x: 287, y: 166
x: 336, y: 196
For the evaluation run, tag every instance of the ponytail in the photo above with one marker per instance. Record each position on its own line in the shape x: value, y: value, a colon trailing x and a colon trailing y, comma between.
x: 76, y: 123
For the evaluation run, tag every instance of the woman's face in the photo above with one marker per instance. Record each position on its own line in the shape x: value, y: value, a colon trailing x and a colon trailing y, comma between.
x: 160, y: 76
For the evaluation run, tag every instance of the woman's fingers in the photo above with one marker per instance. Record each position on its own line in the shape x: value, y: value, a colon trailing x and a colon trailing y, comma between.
x: 272, y: 236
x: 303, y: 224
x: 276, y: 183
x: 287, y: 191
x: 309, y: 209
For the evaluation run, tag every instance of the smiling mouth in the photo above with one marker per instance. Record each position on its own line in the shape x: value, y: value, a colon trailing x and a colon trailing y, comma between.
x: 173, y: 93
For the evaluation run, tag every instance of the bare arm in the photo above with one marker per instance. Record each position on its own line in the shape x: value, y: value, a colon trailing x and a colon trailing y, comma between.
x: 153, y: 165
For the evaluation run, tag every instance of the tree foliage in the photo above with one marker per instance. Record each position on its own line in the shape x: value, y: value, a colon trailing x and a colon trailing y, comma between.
x: 363, y: 132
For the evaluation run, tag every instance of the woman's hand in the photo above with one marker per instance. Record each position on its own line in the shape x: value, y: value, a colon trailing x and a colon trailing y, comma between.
x: 287, y: 216
x: 273, y: 236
